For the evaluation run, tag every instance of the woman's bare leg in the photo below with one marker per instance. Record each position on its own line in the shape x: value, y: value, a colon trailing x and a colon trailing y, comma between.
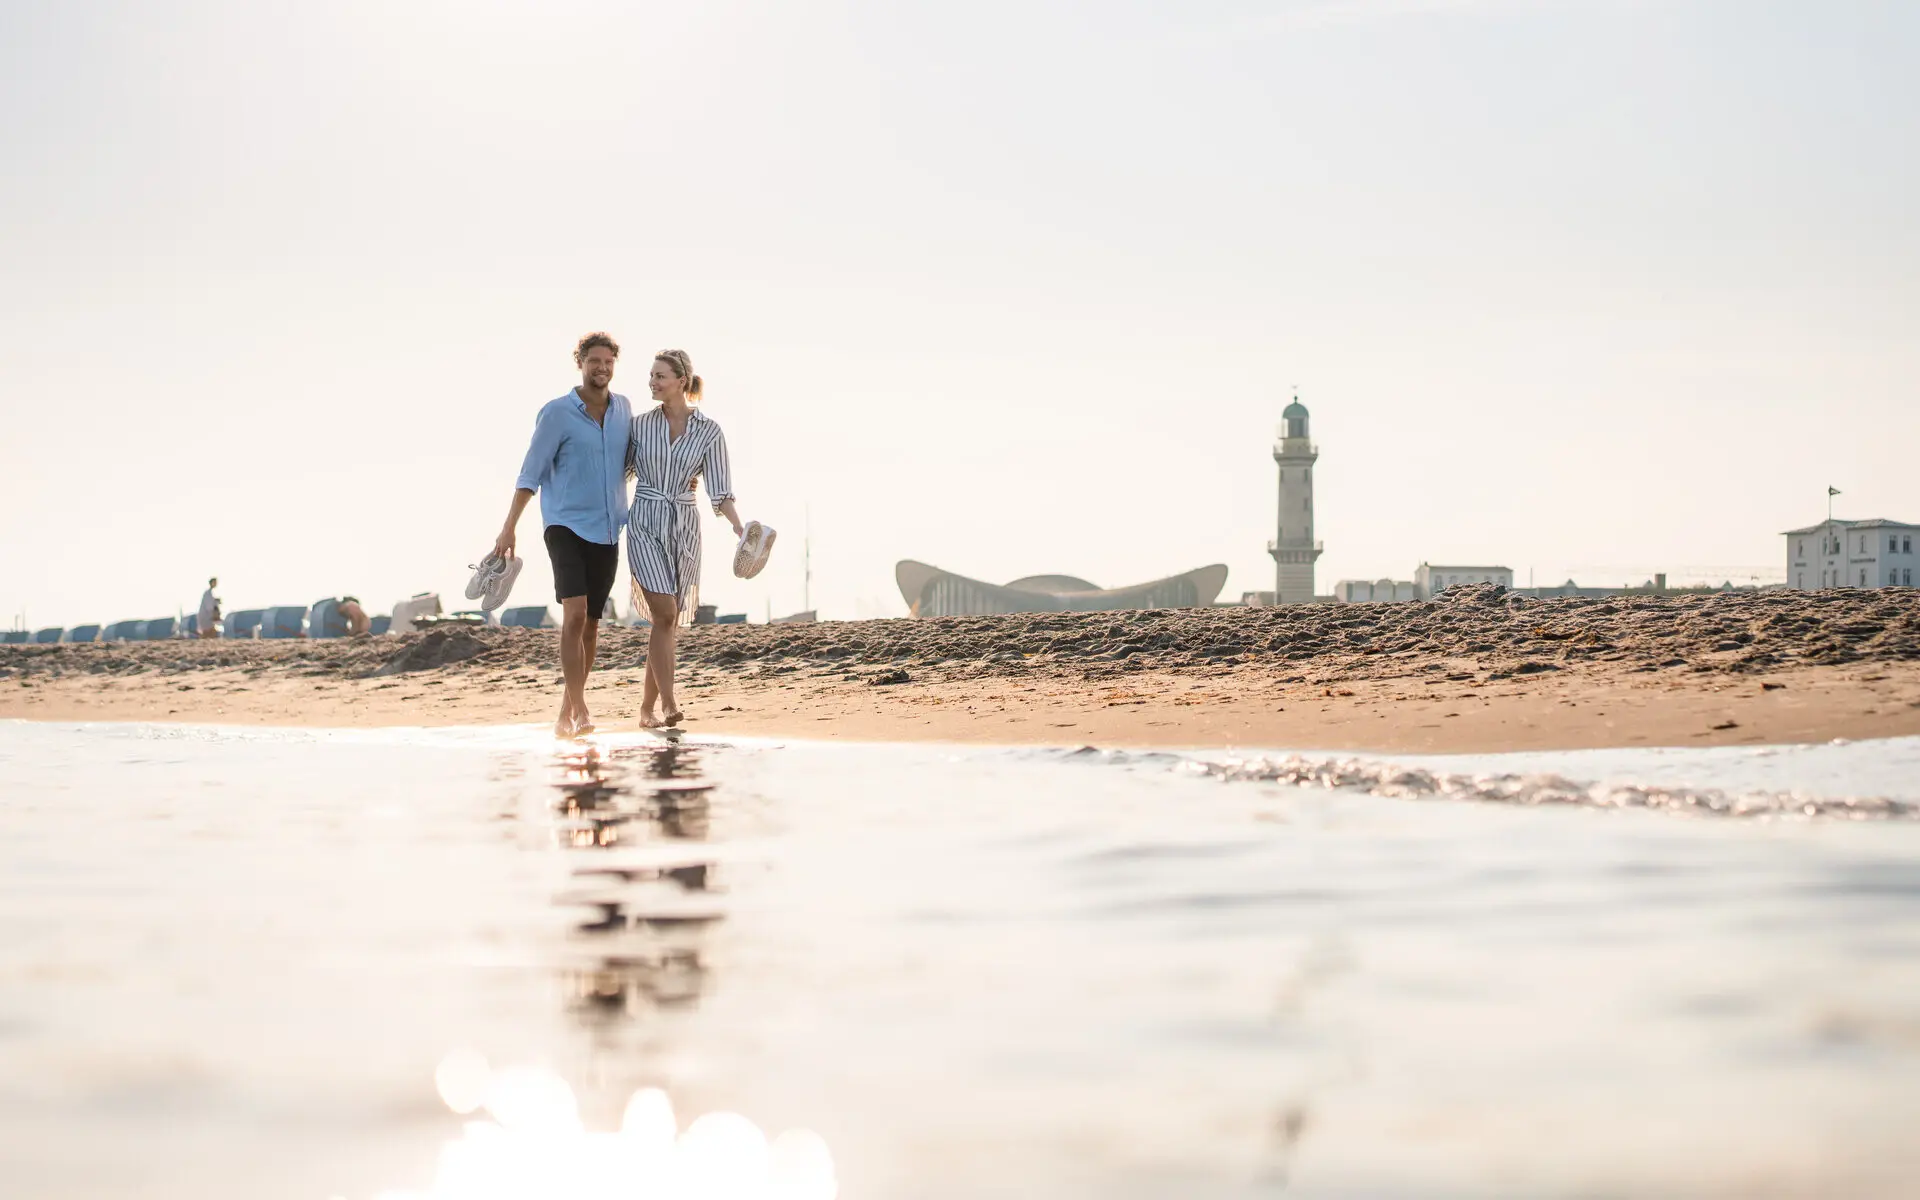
x: 664, y: 611
x: 649, y: 696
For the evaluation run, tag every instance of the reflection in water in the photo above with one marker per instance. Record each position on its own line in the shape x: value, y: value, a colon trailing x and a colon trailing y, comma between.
x: 645, y: 895
x: 637, y: 819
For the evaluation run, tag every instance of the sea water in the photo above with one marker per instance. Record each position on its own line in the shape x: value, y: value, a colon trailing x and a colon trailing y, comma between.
x: 264, y: 963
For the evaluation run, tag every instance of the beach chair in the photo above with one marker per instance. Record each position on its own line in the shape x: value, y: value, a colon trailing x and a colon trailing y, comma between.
x: 730, y: 619
x: 125, y: 631
x: 325, y: 621
x: 161, y: 629
x: 532, y: 616
x: 84, y: 633
x: 47, y: 637
x: 407, y: 613
x: 245, y: 623
x: 286, y: 621
x: 14, y: 637
x: 379, y: 624
x: 190, y: 625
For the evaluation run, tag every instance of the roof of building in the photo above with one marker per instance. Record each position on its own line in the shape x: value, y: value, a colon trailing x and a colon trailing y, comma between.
x: 1874, y: 523
x: 1296, y: 409
x: 1061, y: 593
x: 1052, y: 584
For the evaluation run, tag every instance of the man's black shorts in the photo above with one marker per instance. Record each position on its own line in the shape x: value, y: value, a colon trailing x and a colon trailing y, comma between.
x: 582, y: 568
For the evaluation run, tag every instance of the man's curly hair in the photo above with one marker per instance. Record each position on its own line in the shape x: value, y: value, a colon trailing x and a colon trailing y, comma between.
x: 590, y: 341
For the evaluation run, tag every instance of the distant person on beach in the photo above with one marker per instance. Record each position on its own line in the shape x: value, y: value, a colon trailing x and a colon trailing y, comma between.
x: 355, y: 616
x: 577, y: 462
x: 208, y: 623
x: 673, y: 443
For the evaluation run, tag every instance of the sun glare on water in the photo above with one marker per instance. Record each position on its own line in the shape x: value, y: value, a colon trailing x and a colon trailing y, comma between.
x: 530, y: 1143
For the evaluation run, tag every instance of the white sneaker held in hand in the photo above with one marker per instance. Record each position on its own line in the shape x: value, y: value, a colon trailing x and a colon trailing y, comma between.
x: 493, y: 580
x: 756, y: 544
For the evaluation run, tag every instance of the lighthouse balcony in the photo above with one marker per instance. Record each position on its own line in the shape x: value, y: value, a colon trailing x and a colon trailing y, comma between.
x: 1295, y: 552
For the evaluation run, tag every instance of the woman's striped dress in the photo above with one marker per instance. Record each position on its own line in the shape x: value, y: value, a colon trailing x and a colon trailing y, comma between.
x: 663, y: 526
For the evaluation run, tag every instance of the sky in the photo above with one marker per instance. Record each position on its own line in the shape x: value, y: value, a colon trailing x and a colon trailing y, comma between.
x: 1579, y: 287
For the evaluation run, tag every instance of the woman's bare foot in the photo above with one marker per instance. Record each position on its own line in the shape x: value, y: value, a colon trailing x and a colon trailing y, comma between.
x: 648, y: 720
x: 672, y: 718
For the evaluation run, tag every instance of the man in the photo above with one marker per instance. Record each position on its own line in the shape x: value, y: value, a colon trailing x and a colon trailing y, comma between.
x: 208, y: 623
x: 577, y: 463
x: 358, y: 623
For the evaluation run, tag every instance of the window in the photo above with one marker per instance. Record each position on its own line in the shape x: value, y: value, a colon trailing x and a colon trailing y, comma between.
x: 1863, y: 577
x: 1800, y: 580
x: 1906, y: 545
x: 1907, y: 576
x: 1893, y: 544
x: 1863, y: 543
x: 1800, y: 548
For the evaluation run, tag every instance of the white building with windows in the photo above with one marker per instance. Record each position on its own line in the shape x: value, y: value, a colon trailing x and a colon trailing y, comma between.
x: 1429, y: 581
x: 1861, y: 554
x: 1374, y: 591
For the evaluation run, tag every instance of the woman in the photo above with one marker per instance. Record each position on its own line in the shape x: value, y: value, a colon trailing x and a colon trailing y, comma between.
x: 672, y: 445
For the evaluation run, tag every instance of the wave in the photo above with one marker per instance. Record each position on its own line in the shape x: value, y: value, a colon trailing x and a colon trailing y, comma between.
x: 1396, y: 781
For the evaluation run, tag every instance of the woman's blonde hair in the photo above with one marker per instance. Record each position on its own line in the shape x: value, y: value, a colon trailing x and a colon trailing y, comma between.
x: 682, y: 368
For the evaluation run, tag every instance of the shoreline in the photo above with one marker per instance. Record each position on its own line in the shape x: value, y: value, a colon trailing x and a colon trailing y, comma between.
x: 1480, y: 672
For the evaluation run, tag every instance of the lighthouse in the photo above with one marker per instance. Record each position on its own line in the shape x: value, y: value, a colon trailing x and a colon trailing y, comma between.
x: 1293, y: 548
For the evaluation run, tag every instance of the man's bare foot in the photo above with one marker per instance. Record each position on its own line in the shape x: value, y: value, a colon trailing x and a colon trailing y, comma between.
x: 672, y: 718
x: 648, y: 720
x: 563, y: 728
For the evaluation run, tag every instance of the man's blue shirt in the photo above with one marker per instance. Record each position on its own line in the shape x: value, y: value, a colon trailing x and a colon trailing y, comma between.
x: 579, y: 467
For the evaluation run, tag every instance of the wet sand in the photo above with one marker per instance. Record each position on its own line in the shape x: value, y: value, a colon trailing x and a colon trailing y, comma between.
x: 1478, y: 671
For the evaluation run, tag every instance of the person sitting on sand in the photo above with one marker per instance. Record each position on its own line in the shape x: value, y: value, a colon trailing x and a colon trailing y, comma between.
x: 577, y: 463
x: 354, y: 616
x: 207, y: 623
x: 672, y: 443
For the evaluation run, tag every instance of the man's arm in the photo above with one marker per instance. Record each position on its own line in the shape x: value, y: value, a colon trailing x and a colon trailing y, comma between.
x: 534, y: 471
x: 504, y: 544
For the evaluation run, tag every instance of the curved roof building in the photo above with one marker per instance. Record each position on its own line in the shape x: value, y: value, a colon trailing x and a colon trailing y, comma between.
x: 931, y: 592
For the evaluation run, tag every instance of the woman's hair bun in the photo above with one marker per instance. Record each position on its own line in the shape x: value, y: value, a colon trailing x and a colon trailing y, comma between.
x: 682, y: 366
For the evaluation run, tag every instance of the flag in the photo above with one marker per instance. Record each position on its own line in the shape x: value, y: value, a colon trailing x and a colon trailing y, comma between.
x: 1832, y: 491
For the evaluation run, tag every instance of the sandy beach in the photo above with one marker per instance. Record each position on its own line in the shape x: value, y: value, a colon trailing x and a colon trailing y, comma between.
x: 1479, y: 670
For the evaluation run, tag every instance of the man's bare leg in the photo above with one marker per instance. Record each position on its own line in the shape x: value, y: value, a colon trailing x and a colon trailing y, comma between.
x: 589, y: 646
x: 574, y: 663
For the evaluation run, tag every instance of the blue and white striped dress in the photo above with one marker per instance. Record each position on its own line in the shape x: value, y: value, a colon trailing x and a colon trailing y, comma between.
x: 663, y: 525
